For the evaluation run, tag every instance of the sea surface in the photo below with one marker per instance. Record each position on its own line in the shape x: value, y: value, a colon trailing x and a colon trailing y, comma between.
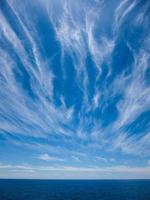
x: 74, y: 189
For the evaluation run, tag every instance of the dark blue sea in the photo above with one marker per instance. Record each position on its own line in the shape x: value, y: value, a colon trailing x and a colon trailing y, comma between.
x: 74, y: 189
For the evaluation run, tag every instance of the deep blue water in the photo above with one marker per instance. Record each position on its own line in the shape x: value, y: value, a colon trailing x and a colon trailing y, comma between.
x: 75, y: 189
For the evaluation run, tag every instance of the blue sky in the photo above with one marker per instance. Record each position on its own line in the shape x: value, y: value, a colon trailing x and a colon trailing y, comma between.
x: 74, y: 89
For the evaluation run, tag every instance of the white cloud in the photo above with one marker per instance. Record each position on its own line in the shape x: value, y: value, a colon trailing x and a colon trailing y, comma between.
x: 46, y: 157
x: 101, y: 159
x: 123, y: 9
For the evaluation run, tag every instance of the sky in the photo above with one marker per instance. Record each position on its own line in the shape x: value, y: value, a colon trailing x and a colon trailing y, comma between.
x: 75, y: 89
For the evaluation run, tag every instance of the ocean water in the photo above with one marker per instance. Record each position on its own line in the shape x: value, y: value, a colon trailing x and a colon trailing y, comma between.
x: 74, y: 189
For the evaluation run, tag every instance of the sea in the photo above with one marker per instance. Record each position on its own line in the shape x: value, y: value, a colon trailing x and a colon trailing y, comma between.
x: 74, y: 189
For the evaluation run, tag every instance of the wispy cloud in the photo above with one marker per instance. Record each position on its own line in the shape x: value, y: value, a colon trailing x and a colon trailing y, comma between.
x: 39, y: 80
x: 75, y: 81
x: 46, y: 157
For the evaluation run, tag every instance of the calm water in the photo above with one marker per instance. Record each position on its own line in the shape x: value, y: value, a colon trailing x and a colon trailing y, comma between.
x: 75, y: 190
